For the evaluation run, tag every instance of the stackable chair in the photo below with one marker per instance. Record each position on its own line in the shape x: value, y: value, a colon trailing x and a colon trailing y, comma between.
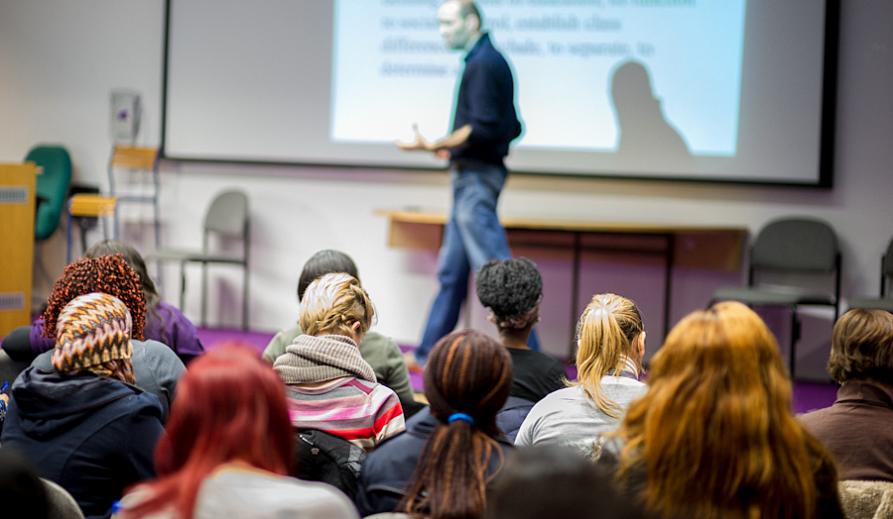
x: 799, y: 246
x: 94, y: 206
x: 227, y: 216
x: 885, y: 301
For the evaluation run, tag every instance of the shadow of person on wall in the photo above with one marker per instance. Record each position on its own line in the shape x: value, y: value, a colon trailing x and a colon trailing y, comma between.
x: 645, y: 135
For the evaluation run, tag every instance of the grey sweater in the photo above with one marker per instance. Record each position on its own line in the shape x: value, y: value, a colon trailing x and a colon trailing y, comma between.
x: 569, y: 417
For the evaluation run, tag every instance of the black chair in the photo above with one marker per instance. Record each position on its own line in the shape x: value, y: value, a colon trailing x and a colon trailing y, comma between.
x: 227, y: 216
x: 792, y: 246
x: 885, y: 302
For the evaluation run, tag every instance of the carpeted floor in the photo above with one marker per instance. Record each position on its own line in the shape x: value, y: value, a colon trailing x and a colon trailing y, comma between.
x: 807, y: 395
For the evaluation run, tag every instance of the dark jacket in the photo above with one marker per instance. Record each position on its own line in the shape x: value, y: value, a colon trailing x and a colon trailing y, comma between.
x: 486, y: 101
x: 94, y: 436
x: 387, y: 470
x: 155, y: 367
x: 512, y: 415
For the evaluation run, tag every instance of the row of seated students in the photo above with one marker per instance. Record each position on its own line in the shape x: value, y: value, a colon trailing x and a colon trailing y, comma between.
x: 709, y: 432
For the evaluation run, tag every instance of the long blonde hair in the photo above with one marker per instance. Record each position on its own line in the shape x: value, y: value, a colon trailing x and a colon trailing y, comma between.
x: 333, y: 303
x: 714, y: 434
x: 606, y: 333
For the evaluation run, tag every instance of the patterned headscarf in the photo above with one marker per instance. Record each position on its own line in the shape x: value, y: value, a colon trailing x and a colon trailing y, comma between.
x: 93, y: 334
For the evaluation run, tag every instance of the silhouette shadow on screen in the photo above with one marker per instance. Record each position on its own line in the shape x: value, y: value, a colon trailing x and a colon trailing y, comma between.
x: 645, y: 135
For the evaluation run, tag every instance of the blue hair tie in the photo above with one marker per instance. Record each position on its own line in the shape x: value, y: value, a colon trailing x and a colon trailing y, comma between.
x: 461, y: 417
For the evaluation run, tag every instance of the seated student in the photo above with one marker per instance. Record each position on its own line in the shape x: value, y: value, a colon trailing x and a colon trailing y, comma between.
x: 858, y: 428
x: 512, y: 290
x: 330, y: 387
x: 441, y: 466
x: 714, y: 436
x: 382, y: 353
x: 610, y: 349
x: 83, y: 424
x: 227, y: 448
x: 164, y: 322
x: 554, y: 481
x: 156, y: 367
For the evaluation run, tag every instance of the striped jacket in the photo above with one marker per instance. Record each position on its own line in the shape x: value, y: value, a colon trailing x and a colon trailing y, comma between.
x: 362, y: 412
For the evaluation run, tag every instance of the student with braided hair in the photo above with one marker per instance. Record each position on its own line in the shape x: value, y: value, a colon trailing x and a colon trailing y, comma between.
x: 610, y: 349
x: 443, y: 464
x: 81, y: 421
x: 330, y: 386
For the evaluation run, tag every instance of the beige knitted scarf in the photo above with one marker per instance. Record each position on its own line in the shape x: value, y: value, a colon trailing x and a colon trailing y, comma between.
x: 312, y: 359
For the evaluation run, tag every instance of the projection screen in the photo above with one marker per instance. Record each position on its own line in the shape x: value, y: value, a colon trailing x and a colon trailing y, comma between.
x: 721, y: 90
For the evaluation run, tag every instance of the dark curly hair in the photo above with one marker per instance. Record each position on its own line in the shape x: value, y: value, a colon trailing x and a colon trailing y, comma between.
x: 509, y: 288
x: 106, y: 274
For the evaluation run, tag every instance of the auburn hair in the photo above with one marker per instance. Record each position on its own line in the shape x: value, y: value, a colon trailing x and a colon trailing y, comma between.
x: 606, y: 333
x: 715, y: 435
x: 110, y: 275
x: 333, y: 303
x: 230, y: 406
x: 470, y: 373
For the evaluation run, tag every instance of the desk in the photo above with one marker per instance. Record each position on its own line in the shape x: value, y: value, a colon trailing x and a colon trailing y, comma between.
x: 697, y: 246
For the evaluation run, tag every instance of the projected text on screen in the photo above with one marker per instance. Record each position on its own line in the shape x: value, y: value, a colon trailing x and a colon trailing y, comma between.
x: 597, y: 75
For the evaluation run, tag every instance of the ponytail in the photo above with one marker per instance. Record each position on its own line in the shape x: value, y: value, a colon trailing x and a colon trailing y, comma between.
x: 467, y: 381
x: 606, y: 333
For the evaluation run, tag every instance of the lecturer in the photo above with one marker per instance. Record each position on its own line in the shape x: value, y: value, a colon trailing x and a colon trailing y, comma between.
x: 484, y: 123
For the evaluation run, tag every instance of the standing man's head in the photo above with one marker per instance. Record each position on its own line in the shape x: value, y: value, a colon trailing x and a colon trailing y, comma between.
x: 460, y: 23
x: 862, y: 346
x: 512, y: 290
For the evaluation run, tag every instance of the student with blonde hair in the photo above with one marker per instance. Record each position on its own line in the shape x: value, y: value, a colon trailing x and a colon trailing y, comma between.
x: 610, y: 349
x: 714, y: 437
x: 330, y: 387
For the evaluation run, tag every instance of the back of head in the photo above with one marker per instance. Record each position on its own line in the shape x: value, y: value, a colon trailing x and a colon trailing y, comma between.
x: 610, y: 338
x: 326, y: 261
x: 336, y: 304
x: 862, y: 346
x: 467, y: 381
x: 106, y: 274
x: 718, y: 391
x: 22, y: 493
x: 230, y: 406
x: 93, y: 334
x: 512, y: 290
x: 554, y: 481
x: 134, y: 259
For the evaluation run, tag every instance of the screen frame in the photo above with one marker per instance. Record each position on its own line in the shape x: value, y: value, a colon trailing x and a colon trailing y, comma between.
x: 827, y: 131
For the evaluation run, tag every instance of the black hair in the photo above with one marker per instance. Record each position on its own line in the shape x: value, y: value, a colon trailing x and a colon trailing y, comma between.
x: 555, y: 481
x: 327, y: 261
x: 509, y: 288
x: 22, y: 494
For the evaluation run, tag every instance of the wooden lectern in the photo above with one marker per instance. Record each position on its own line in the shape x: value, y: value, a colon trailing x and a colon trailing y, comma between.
x: 17, y: 183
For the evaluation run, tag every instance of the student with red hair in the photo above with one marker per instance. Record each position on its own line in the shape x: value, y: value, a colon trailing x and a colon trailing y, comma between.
x: 227, y: 449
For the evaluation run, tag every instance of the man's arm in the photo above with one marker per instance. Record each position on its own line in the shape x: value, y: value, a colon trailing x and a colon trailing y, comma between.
x: 453, y: 140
